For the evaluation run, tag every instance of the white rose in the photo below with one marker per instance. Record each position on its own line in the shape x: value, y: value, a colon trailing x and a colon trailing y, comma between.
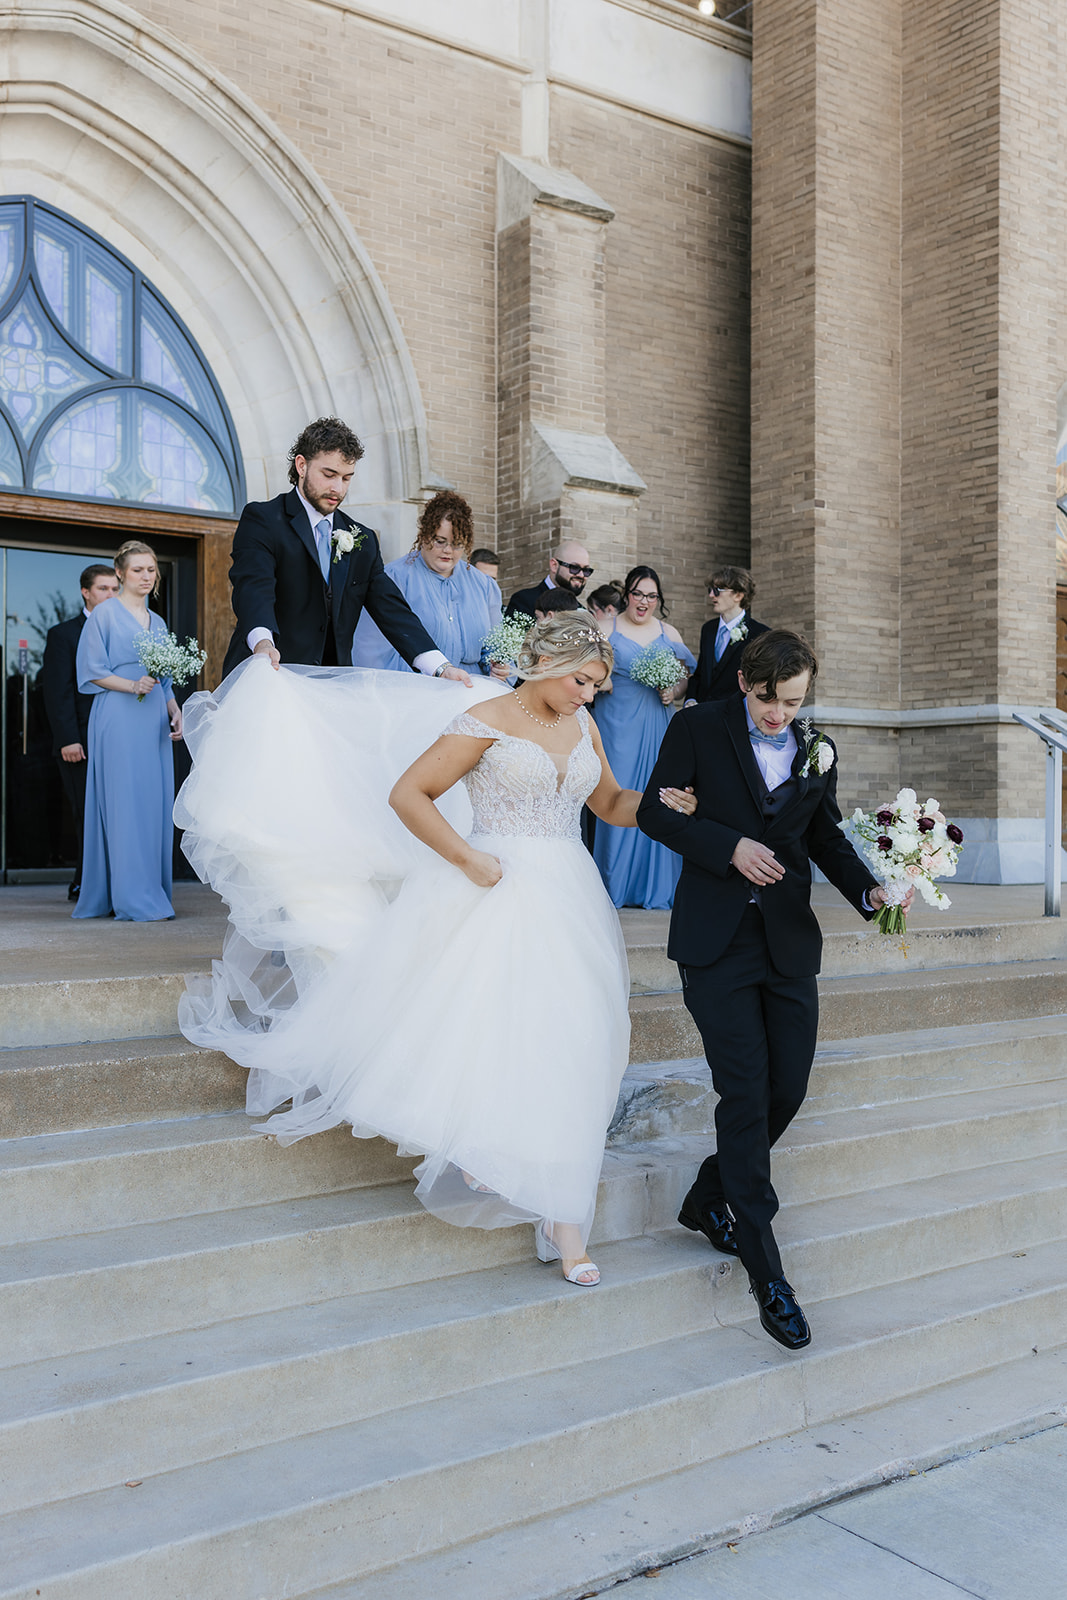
x: 824, y: 758
x: 344, y: 540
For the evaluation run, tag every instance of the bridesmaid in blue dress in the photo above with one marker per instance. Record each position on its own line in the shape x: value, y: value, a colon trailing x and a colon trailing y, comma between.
x: 632, y: 720
x: 456, y: 603
x: 129, y: 797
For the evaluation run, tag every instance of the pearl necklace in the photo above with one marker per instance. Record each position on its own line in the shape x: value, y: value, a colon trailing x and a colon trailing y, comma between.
x: 539, y: 720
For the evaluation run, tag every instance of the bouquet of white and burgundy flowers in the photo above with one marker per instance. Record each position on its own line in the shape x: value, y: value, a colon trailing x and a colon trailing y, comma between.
x: 908, y: 846
x: 163, y: 657
x: 504, y: 642
x: 657, y: 668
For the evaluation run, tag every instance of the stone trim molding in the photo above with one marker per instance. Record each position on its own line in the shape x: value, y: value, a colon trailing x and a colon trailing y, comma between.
x: 928, y: 717
x: 560, y: 458
x: 523, y: 184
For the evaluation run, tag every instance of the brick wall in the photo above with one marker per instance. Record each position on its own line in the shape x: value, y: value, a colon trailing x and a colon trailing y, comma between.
x: 677, y: 273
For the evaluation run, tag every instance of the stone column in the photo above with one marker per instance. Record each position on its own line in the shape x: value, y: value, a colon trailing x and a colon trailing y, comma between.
x: 560, y: 476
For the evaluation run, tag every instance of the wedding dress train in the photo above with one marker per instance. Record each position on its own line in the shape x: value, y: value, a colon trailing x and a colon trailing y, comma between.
x: 367, y: 979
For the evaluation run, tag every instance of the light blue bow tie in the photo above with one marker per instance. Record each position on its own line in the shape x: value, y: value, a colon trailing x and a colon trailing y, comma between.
x: 777, y: 739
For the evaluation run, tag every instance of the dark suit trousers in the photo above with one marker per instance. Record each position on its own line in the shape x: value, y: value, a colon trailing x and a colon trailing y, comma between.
x: 759, y: 1030
x: 74, y: 774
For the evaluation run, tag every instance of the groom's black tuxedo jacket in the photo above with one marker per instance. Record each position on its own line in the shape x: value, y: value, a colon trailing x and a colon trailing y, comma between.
x: 278, y: 584
x: 708, y: 746
x: 717, y: 680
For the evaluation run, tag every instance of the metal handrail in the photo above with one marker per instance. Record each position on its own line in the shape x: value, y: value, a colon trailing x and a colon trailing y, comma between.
x: 1054, y: 733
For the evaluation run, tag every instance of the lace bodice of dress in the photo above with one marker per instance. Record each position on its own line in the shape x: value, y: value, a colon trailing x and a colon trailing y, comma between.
x: 518, y: 788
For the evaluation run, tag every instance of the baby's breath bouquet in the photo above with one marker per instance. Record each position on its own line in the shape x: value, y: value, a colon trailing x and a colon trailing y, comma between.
x: 163, y: 657
x: 657, y: 668
x: 504, y: 642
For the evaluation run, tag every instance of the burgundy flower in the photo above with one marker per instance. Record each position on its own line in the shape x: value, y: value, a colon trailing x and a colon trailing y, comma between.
x: 954, y: 833
x: 884, y: 843
x: 925, y: 824
x: 884, y: 818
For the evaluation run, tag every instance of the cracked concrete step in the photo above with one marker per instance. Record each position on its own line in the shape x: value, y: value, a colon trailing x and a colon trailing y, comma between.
x: 587, y: 1548
x: 862, y: 949
x: 659, y: 1098
x: 72, y: 1424
x: 347, y: 1501
x: 850, y: 1008
x: 56, y: 1088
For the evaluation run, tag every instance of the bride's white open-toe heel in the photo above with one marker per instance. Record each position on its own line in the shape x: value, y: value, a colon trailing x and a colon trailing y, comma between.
x: 585, y: 1274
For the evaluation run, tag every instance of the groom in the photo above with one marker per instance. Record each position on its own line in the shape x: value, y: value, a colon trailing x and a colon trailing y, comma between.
x: 746, y: 940
x: 302, y: 571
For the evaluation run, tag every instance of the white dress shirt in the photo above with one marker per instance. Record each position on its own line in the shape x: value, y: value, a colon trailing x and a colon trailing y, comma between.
x: 428, y: 662
x: 775, y: 764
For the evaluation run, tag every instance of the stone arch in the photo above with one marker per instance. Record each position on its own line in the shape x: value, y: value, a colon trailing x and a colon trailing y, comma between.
x: 115, y: 122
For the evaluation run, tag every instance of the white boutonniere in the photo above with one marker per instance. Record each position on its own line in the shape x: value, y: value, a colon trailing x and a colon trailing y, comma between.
x: 818, y: 751
x: 344, y: 542
x: 739, y: 633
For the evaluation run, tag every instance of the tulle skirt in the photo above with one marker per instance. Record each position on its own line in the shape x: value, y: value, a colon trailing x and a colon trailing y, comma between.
x: 369, y: 982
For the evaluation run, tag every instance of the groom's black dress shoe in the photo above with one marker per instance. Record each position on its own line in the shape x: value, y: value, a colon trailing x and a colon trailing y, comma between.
x: 717, y: 1226
x: 780, y: 1314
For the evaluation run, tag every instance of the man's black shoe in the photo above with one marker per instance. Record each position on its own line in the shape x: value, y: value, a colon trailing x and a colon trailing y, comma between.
x: 717, y: 1226
x: 780, y: 1314
x: 74, y: 891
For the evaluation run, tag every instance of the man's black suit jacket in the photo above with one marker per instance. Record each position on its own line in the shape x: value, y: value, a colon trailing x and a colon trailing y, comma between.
x: 278, y: 584
x: 708, y: 746
x: 525, y: 600
x: 717, y: 680
x: 66, y: 709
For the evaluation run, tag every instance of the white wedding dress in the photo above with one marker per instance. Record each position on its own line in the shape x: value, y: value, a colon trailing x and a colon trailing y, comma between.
x: 369, y: 980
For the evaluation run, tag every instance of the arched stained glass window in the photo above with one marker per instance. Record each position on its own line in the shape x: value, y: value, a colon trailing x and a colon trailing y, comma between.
x: 104, y: 394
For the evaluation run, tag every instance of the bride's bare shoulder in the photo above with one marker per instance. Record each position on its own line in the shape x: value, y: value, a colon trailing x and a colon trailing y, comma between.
x: 497, y: 714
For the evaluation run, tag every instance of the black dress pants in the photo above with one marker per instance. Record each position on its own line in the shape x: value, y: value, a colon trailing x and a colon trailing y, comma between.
x: 73, y: 775
x: 759, y: 1030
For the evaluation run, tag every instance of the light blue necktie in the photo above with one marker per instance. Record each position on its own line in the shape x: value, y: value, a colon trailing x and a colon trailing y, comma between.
x: 777, y: 739
x: 722, y: 639
x: 323, y: 534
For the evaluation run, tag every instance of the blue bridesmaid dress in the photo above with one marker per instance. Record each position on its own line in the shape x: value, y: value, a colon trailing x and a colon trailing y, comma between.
x: 129, y: 794
x: 457, y: 612
x: 632, y: 720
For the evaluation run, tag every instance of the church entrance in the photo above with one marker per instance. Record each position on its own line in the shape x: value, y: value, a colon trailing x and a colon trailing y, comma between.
x: 40, y: 568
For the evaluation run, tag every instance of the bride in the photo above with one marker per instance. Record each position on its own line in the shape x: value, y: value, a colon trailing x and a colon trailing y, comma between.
x: 374, y: 981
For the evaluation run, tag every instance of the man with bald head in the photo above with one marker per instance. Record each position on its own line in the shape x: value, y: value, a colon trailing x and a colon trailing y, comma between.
x: 568, y: 569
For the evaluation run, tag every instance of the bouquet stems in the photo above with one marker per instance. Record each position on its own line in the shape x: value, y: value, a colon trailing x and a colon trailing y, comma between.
x: 891, y: 920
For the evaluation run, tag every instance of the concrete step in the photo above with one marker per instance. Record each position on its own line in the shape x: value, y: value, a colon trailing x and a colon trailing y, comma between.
x: 586, y: 1549
x: 348, y: 1501
x: 57, y: 1088
x: 88, y: 1010
x: 860, y: 949
x: 855, y: 1006
x: 75, y: 1183
x: 664, y: 1098
x: 72, y: 1424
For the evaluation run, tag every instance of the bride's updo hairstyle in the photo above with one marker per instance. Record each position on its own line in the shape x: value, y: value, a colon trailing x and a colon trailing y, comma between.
x: 571, y: 640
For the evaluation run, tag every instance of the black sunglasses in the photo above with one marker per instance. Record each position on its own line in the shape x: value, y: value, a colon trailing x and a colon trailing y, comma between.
x: 577, y: 571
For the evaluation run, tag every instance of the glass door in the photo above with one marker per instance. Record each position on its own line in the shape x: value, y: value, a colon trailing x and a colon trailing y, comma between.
x: 39, y: 588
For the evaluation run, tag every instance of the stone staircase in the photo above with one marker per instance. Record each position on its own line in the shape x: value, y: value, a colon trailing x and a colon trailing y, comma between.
x: 236, y: 1372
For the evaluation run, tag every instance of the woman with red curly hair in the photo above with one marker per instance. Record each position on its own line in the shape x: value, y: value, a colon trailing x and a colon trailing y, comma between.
x: 455, y: 602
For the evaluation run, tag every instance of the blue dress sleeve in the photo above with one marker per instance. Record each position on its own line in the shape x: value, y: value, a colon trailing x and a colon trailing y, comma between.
x: 93, y: 659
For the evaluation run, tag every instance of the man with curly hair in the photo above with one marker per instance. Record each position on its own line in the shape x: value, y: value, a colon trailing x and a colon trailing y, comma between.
x: 302, y: 571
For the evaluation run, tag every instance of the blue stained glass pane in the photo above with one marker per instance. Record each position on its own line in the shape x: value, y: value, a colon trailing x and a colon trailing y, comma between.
x: 83, y: 450
x: 53, y: 269
x: 184, y: 465
x: 10, y: 465
x: 169, y: 361
x: 38, y: 370
x: 10, y: 246
x: 103, y: 336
